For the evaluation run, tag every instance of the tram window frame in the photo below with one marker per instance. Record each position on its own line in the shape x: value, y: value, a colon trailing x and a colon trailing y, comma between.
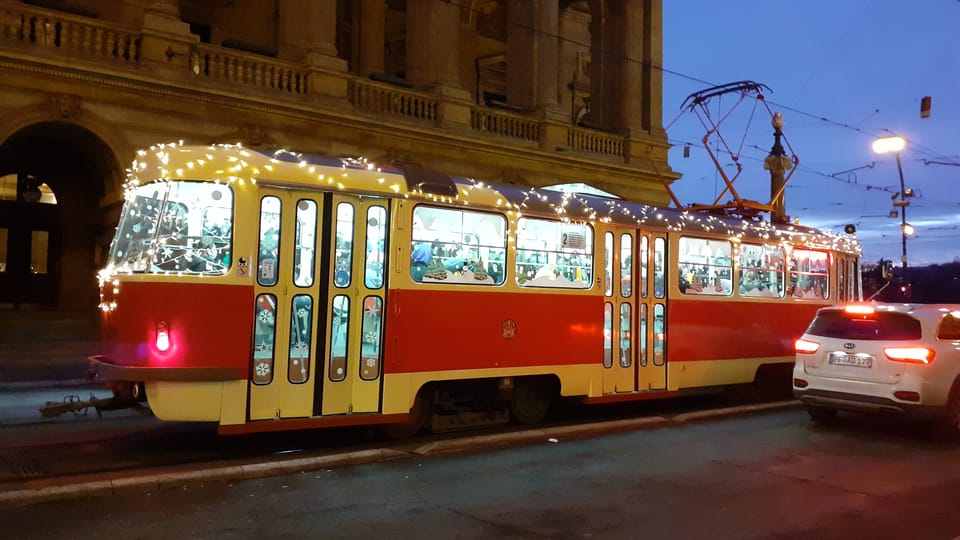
x: 566, y: 246
x: 809, y: 274
x: 761, y: 271
x: 305, y: 243
x: 268, y: 245
x: 458, y: 247
x: 163, y: 228
x: 705, y: 266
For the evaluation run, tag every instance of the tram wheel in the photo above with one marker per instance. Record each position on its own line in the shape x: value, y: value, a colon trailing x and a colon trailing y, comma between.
x: 419, y: 414
x: 531, y: 400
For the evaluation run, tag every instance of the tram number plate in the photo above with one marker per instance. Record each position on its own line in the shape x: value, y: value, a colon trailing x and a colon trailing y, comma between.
x: 855, y: 360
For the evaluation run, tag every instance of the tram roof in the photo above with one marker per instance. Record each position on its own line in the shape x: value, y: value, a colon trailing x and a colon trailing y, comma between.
x: 283, y: 168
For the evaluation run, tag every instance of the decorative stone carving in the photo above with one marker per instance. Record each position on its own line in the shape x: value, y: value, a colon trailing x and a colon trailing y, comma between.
x: 66, y: 105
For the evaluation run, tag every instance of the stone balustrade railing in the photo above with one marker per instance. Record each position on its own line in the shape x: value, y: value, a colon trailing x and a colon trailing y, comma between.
x: 379, y: 98
x: 74, y: 35
x: 248, y: 70
x: 514, y: 126
x: 595, y: 142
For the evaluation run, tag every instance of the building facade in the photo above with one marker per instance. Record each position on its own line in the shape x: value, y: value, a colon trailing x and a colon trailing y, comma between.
x: 529, y: 92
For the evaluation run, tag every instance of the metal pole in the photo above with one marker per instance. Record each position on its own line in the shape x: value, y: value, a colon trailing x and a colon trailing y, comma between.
x: 903, y: 217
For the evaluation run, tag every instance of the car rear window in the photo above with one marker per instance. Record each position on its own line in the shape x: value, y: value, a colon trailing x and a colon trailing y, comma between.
x: 882, y: 325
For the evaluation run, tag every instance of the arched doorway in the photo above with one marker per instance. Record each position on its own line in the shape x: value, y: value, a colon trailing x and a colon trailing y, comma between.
x: 52, y: 220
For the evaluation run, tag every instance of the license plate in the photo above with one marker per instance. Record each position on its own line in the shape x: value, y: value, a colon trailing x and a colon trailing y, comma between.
x: 855, y: 360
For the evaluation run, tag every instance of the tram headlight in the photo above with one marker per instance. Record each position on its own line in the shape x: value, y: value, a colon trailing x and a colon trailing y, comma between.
x: 163, y: 336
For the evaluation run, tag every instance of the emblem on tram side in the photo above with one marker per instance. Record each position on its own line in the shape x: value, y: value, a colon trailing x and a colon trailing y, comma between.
x: 508, y: 330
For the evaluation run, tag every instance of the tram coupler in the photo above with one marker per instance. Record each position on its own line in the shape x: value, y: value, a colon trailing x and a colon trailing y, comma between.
x: 73, y: 403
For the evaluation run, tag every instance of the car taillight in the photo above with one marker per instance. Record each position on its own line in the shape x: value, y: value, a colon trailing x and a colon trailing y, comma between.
x: 859, y: 309
x: 913, y: 355
x: 803, y: 346
x: 163, y: 336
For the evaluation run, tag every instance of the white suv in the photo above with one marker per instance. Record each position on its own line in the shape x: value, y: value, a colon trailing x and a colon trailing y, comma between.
x: 871, y: 357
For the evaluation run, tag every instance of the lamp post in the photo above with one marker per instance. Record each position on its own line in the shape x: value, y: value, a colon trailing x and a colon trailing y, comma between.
x: 895, y: 145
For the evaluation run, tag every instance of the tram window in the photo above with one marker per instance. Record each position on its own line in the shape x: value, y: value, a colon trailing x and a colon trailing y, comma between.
x: 659, y: 255
x: 339, y: 330
x: 165, y: 227
x: 267, y: 260
x: 809, y: 274
x: 554, y: 254
x: 842, y: 293
x: 304, y: 246
x: 644, y: 253
x: 458, y: 246
x: 370, y: 343
x: 626, y: 323
x: 264, y: 332
x: 376, y: 232
x: 3, y: 250
x: 301, y: 335
x: 607, y: 334
x: 643, y: 335
x: 659, y: 334
x: 343, y: 250
x: 760, y: 271
x: 626, y: 265
x: 608, y: 263
x: 705, y: 266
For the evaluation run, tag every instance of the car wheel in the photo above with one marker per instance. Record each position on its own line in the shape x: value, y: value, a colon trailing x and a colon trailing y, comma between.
x: 948, y: 425
x: 819, y: 413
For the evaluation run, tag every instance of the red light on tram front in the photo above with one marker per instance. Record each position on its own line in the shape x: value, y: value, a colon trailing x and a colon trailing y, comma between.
x: 163, y: 336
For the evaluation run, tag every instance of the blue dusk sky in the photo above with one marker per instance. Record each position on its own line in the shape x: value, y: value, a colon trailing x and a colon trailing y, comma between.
x: 842, y: 73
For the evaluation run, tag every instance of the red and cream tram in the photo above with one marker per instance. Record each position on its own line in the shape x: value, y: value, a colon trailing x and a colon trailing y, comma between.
x: 272, y: 291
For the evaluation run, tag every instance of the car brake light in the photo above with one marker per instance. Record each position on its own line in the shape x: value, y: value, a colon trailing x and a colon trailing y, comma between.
x: 163, y: 336
x: 802, y: 346
x: 913, y: 355
x: 859, y: 309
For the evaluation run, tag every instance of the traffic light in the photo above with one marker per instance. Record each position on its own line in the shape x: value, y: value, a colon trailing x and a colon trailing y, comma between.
x: 925, y: 107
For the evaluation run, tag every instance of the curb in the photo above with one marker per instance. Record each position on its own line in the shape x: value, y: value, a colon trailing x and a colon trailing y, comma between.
x: 176, y: 478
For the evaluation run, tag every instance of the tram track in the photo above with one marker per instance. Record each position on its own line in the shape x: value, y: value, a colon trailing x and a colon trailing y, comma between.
x: 116, y: 456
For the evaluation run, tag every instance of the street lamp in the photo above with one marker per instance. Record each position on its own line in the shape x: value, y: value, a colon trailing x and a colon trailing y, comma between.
x: 894, y: 145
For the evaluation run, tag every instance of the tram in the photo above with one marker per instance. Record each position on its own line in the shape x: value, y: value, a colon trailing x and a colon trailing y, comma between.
x: 270, y: 291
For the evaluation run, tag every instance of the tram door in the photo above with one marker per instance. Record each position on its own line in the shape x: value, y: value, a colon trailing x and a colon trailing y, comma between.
x: 284, y: 360
x: 651, y: 311
x: 353, y: 362
x: 619, y: 359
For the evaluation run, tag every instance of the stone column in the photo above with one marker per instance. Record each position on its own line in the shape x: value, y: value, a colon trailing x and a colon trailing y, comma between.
x: 601, y: 49
x: 372, y: 28
x: 629, y: 84
x: 433, y: 59
x: 433, y: 44
x: 548, y: 55
x: 653, y: 70
x: 311, y: 26
x: 167, y: 41
x: 521, y: 53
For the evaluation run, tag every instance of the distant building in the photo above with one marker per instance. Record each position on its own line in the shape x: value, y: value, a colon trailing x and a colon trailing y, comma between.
x: 532, y: 92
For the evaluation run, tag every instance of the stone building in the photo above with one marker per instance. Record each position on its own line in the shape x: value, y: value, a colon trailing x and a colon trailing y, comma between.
x: 531, y: 92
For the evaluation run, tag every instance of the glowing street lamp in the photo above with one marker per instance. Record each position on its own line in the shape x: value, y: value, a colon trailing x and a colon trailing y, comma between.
x: 894, y: 145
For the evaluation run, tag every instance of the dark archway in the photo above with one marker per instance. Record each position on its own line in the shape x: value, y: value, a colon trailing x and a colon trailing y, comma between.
x: 77, y: 166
